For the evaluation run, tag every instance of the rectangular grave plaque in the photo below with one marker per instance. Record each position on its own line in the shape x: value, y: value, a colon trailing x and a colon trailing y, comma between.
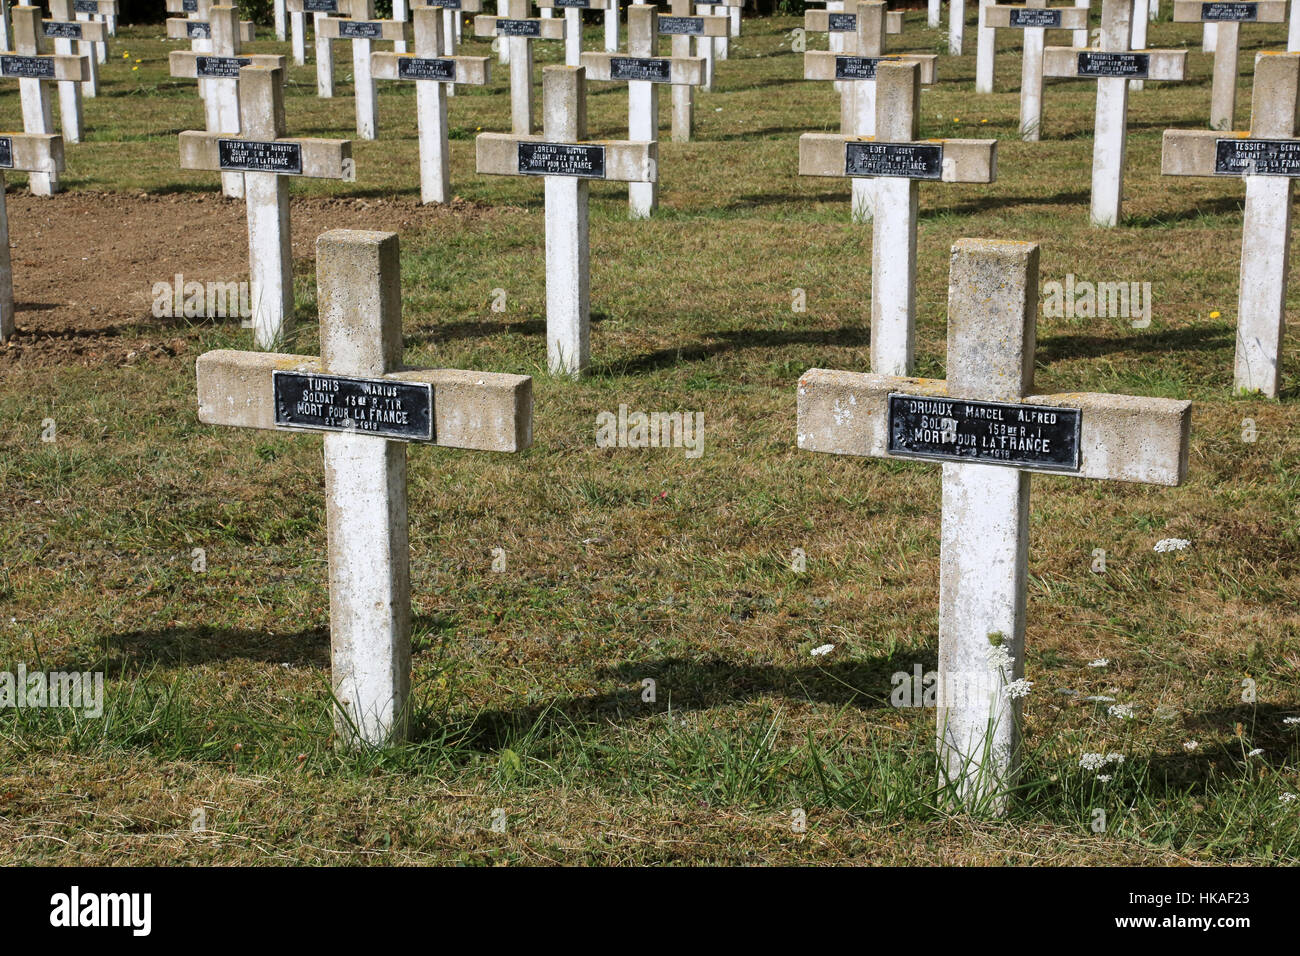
x: 580, y: 4
x: 189, y: 6
x: 640, y: 68
x: 562, y: 159
x: 1130, y: 65
x: 858, y: 67
x: 26, y: 66
x: 444, y: 4
x: 63, y: 30
x: 320, y: 6
x: 519, y: 28
x: 369, y: 406
x: 259, y: 157
x: 198, y: 30
x: 903, y: 160
x: 841, y: 22
x: 1230, y: 12
x: 681, y: 26
x: 220, y: 67
x: 418, y: 68
x: 85, y: 6
x: 1257, y: 157
x: 1033, y: 17
x: 1033, y: 437
x: 6, y: 153
x: 361, y: 30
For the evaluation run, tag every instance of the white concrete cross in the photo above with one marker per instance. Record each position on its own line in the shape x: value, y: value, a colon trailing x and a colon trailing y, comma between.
x: 324, y: 46
x: 451, y: 11
x: 361, y: 29
x: 93, y: 15
x: 1228, y: 16
x: 840, y: 22
x: 985, y: 49
x: 518, y: 31
x: 643, y: 72
x: 1112, y: 65
x: 433, y: 70
x: 681, y: 25
x: 611, y: 27
x: 1267, y: 158
x: 33, y: 68
x: 369, y: 406
x: 33, y: 152
x: 218, y: 70
x: 196, y: 28
x: 267, y: 157
x: 897, y: 159
x: 990, y: 432
x: 956, y: 26
x: 718, y: 47
x: 67, y: 35
x: 567, y: 162
x: 1034, y: 19
x: 573, y: 10
x: 855, y: 71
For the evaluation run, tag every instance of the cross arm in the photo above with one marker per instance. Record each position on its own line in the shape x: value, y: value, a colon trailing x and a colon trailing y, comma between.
x: 1191, y: 152
x: 464, y: 6
x: 184, y: 64
x: 1071, y: 18
x: 486, y: 411
x: 321, y: 158
x: 570, y: 4
x: 67, y: 66
x: 486, y: 26
x: 177, y: 29
x: 34, y: 152
x: 497, y: 154
x: 1121, y: 437
x: 331, y: 28
x: 106, y: 8
x: 711, y: 26
x: 467, y: 70
x: 819, y: 21
x: 92, y: 31
x: 1196, y: 11
x: 1063, y: 61
x: 820, y: 64
x: 682, y: 70
x: 963, y: 160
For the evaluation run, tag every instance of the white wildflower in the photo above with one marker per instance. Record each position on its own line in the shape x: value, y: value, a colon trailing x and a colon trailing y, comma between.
x: 998, y: 656
x: 1092, y: 761
x: 1191, y: 745
x: 1122, y: 711
x: 1291, y: 721
x: 1099, y: 662
x: 1256, y: 752
x: 1104, y: 777
x: 1288, y: 798
x: 1171, y: 544
x: 1017, y: 688
x: 822, y: 651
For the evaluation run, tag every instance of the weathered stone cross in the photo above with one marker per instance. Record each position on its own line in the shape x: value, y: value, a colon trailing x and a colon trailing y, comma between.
x: 266, y: 157
x: 1268, y: 159
x: 451, y: 11
x: 361, y: 29
x: 642, y: 70
x: 517, y: 33
x: 855, y: 69
x: 433, y: 72
x: 1228, y: 16
x: 73, y: 38
x: 1034, y: 19
x: 1112, y: 66
x: 990, y: 432
x: 369, y: 406
x: 218, y: 71
x: 33, y: 69
x: 573, y: 23
x: 104, y: 13
x: 682, y: 26
x: 567, y: 163
x: 324, y: 46
x: 841, y: 24
x: 897, y: 159
x: 33, y: 152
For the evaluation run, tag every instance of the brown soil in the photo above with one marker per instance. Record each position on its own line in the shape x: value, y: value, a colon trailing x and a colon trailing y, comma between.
x: 85, y: 262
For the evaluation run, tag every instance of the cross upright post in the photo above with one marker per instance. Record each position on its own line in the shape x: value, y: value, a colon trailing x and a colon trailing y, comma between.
x: 104, y: 13
x: 682, y: 26
x: 897, y: 159
x: 990, y: 432
x: 1033, y: 19
x: 433, y: 72
x: 516, y: 33
x: 1267, y: 158
x: 361, y: 29
x: 567, y: 162
x: 451, y: 11
x: 32, y: 152
x: 67, y: 35
x: 1228, y: 16
x: 368, y: 405
x: 323, y: 46
x: 1112, y: 66
x: 573, y: 10
x: 267, y: 157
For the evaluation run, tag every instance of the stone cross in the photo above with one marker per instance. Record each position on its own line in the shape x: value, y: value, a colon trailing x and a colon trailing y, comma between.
x: 956, y: 26
x: 840, y: 22
x: 567, y: 162
x: 985, y: 49
x: 71, y: 39
x: 267, y: 157
x: 33, y: 68
x: 855, y: 68
x: 518, y: 31
x: 196, y: 27
x: 361, y: 28
x: 1034, y: 19
x: 573, y: 10
x: 103, y: 12
x: 433, y: 70
x: 1112, y: 66
x: 1267, y: 158
x: 990, y: 432
x: 897, y: 158
x: 643, y: 71
x: 682, y: 26
x: 1228, y: 16
x: 369, y: 406
x: 218, y: 69
x: 717, y: 48
x: 33, y: 152
x: 451, y: 11
x: 324, y: 46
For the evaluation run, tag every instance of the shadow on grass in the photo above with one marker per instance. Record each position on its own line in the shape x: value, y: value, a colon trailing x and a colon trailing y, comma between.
x: 433, y: 333
x: 1057, y: 347
x: 1219, y: 206
x: 845, y: 337
x: 136, y: 653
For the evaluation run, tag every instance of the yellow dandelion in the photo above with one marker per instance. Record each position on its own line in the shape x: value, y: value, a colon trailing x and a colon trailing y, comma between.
x: 135, y: 69
x: 983, y: 121
x: 1214, y: 314
x: 139, y: 61
x: 956, y: 120
x: 126, y: 56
